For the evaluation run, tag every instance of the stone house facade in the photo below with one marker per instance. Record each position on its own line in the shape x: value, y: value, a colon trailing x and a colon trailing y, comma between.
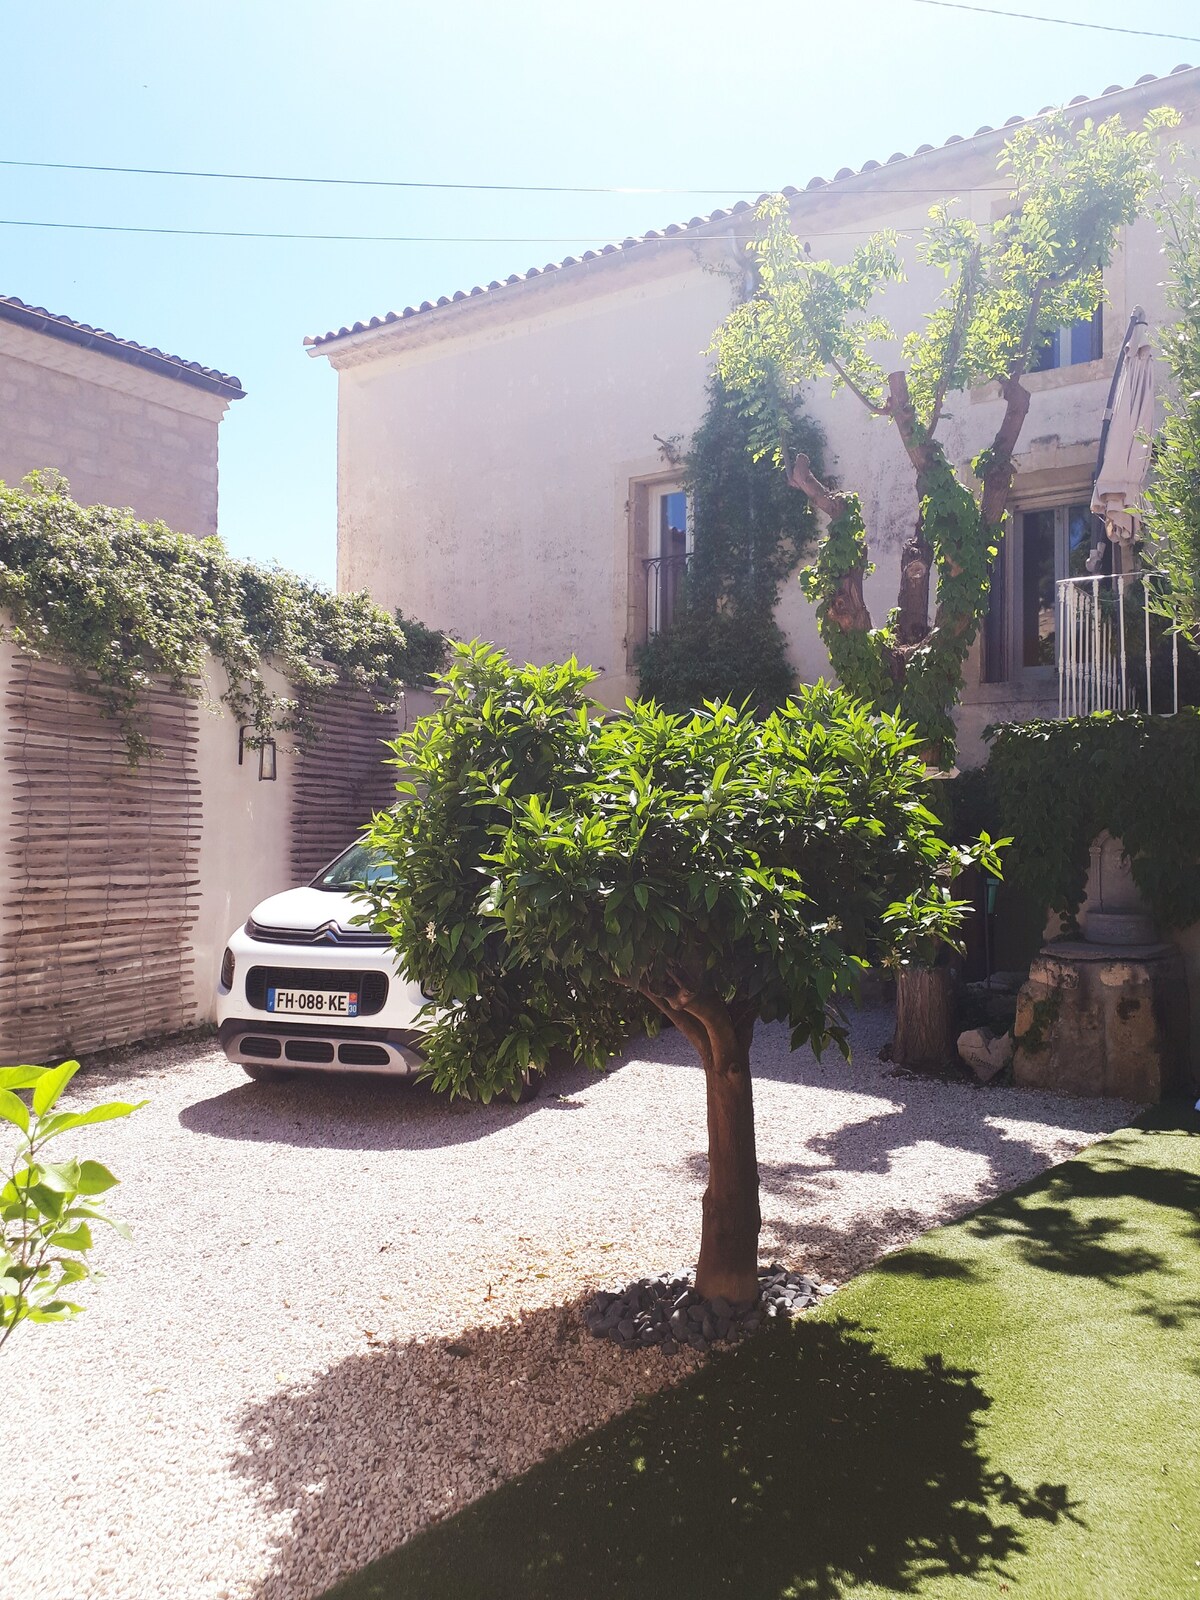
x: 126, y: 424
x: 500, y: 470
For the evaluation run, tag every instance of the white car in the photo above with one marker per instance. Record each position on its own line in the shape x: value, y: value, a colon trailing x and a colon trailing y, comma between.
x: 303, y: 985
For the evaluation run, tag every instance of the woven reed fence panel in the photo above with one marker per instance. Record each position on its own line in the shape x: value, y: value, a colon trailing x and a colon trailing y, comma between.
x: 342, y: 779
x: 102, y: 883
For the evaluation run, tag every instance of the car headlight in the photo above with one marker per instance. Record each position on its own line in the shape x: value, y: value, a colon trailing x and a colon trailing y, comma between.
x: 227, y: 966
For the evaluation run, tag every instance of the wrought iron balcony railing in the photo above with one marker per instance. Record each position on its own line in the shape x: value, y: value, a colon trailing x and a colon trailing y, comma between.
x: 1105, y: 652
x: 664, y: 582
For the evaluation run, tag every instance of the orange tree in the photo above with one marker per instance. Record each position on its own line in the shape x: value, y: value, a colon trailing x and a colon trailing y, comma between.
x: 562, y: 877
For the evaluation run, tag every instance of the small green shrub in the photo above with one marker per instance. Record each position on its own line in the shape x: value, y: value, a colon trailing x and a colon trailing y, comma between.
x: 47, y: 1208
x: 560, y: 876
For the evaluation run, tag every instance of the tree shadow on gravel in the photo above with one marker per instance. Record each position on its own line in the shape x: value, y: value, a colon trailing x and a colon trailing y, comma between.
x: 344, y: 1111
x: 805, y: 1463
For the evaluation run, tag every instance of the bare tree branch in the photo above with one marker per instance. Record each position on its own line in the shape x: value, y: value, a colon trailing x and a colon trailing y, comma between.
x: 963, y: 306
x: 801, y: 476
x: 873, y: 406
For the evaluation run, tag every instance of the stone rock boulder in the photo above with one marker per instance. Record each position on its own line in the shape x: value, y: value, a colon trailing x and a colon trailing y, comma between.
x: 1098, y: 1020
x: 986, y: 1053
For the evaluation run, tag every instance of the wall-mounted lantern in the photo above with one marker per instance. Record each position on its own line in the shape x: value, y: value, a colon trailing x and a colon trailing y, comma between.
x: 267, y: 757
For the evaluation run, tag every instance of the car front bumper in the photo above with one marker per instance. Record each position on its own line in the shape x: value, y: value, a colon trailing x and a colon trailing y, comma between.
x: 321, y: 1047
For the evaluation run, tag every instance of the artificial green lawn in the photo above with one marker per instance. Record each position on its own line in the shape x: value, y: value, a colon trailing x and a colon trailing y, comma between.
x: 1009, y: 1406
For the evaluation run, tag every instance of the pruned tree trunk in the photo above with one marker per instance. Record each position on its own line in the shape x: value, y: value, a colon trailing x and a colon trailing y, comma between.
x: 728, y: 1263
x: 925, y: 1033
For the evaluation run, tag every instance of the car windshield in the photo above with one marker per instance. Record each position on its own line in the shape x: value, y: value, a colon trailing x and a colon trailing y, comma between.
x: 359, y: 864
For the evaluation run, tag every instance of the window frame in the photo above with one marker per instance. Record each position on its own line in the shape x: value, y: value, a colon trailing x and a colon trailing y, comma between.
x: 1009, y: 639
x: 645, y: 493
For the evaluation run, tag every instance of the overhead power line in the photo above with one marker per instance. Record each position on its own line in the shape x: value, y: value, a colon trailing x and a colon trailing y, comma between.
x: 363, y: 183
x: 393, y: 183
x: 393, y: 238
x: 1061, y: 22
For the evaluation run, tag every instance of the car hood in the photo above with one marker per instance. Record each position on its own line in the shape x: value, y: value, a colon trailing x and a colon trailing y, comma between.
x: 305, y: 910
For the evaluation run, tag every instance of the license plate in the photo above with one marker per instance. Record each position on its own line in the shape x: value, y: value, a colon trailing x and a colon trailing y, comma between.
x: 313, y: 1002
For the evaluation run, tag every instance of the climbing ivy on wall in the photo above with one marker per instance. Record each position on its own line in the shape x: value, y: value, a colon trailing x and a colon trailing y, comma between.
x: 124, y: 601
x: 1055, y: 786
x: 750, y: 532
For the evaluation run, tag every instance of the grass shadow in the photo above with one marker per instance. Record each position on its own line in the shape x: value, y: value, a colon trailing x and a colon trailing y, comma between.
x: 802, y: 1464
x: 1085, y: 1219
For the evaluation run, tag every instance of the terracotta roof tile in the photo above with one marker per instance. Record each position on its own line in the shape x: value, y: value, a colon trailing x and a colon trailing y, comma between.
x: 140, y: 355
x: 674, y: 229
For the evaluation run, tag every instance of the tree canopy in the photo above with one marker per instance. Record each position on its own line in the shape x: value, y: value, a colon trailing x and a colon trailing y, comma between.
x: 562, y: 879
x: 1172, y: 524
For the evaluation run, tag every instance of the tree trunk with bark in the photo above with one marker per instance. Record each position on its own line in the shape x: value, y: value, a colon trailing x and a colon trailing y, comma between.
x: 925, y: 1039
x: 728, y: 1264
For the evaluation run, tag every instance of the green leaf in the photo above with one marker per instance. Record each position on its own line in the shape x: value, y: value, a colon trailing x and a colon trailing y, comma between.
x: 14, y: 1110
x: 109, y: 1112
x: 19, y: 1077
x: 63, y: 1176
x: 52, y: 1083
x: 47, y: 1201
x: 77, y: 1238
x: 94, y: 1178
x: 54, y: 1311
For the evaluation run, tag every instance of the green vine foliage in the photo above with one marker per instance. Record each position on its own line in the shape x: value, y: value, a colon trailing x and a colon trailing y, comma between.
x: 1173, y: 499
x: 1072, y: 187
x: 750, y: 532
x: 1056, y: 786
x: 123, y: 601
x: 932, y: 678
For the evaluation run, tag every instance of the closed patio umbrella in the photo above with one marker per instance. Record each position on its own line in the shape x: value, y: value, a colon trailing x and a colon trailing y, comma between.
x: 1123, y: 459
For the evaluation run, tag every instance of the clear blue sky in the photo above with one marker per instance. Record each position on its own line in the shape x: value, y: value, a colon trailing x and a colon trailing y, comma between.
x: 681, y: 93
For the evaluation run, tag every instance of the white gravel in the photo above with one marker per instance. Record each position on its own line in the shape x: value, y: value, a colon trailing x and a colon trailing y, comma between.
x: 350, y: 1308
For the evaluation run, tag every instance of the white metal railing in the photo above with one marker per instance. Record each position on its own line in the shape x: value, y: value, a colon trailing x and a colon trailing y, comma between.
x: 1104, y: 647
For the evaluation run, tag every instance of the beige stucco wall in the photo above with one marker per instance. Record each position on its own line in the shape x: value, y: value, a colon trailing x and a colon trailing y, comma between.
x: 485, y: 476
x: 245, y: 840
x: 489, y: 450
x: 123, y: 436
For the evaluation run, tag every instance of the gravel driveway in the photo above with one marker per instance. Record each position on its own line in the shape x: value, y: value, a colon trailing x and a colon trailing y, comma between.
x: 350, y: 1307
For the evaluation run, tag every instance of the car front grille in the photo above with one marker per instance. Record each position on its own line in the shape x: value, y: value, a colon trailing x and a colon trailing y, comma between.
x: 328, y: 933
x: 315, y: 1050
x: 262, y: 1049
x: 362, y: 1055
x: 372, y: 987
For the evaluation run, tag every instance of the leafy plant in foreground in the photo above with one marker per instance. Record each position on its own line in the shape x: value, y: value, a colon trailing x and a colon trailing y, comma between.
x: 47, y: 1208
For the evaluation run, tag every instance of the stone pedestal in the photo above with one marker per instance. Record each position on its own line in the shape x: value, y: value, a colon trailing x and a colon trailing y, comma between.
x: 1101, y: 1019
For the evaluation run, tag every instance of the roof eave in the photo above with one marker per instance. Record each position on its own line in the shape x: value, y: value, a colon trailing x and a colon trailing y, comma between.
x: 39, y: 321
x: 873, y: 176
